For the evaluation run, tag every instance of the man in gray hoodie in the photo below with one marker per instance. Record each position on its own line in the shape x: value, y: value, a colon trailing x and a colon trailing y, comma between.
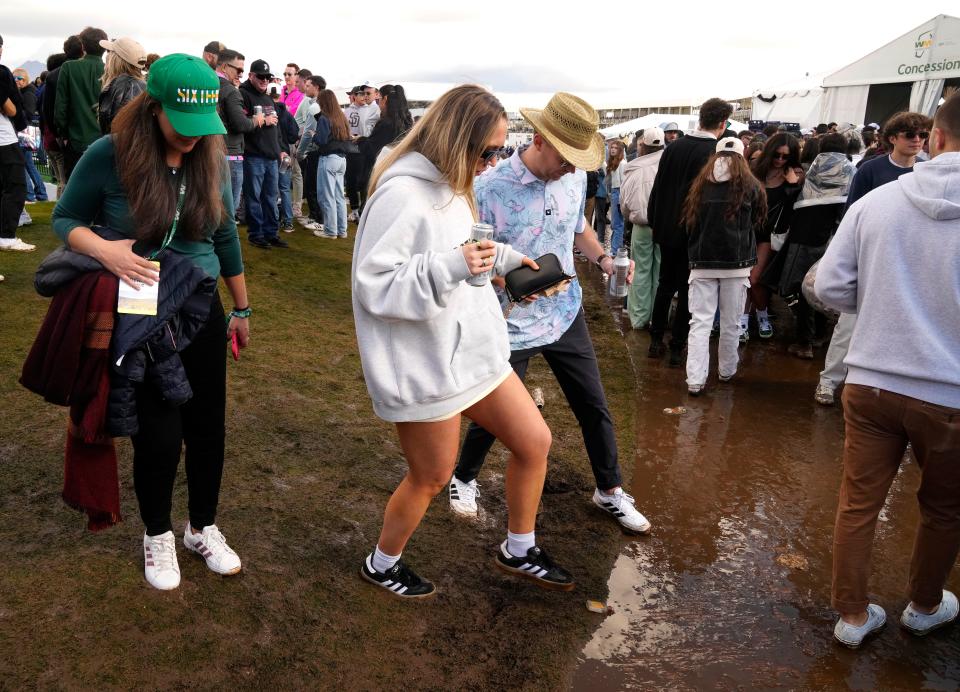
x: 895, y: 262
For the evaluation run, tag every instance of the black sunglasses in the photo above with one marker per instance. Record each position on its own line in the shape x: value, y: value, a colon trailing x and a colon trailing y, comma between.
x: 489, y: 154
x: 911, y: 134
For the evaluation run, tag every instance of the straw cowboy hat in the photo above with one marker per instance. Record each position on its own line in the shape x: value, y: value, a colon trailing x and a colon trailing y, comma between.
x: 570, y: 124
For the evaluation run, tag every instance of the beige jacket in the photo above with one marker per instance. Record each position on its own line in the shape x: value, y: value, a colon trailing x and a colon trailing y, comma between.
x: 638, y: 177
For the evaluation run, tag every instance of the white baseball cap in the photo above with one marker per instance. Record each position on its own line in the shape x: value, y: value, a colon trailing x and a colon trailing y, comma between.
x: 733, y: 144
x: 653, y: 137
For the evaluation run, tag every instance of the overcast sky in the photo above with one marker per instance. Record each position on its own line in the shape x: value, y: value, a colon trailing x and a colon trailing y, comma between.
x: 616, y: 53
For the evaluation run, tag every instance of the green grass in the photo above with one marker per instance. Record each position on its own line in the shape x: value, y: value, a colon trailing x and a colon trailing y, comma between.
x: 309, y: 469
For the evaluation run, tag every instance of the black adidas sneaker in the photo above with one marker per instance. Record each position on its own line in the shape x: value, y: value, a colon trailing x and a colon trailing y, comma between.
x: 536, y: 566
x: 399, y: 580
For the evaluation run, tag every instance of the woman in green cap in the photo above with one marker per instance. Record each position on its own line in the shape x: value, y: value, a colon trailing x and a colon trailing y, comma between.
x: 159, y: 179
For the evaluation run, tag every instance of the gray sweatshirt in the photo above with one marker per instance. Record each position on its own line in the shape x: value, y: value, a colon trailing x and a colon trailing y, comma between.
x: 895, y: 262
x: 430, y: 344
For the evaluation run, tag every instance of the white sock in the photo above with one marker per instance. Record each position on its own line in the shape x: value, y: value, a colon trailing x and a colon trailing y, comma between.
x: 762, y: 315
x: 519, y: 543
x: 381, y: 561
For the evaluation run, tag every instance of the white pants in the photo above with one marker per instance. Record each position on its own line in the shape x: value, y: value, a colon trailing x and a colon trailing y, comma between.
x: 834, y: 371
x: 703, y: 296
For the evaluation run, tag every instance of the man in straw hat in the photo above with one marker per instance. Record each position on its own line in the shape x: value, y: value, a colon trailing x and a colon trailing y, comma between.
x: 535, y: 201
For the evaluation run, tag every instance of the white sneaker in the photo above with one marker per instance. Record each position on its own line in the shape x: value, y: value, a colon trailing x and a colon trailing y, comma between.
x: 851, y: 636
x: 824, y: 395
x: 922, y: 623
x: 353, y: 216
x: 16, y: 245
x: 160, y: 561
x: 212, y: 546
x: 463, y: 497
x: 306, y: 222
x: 621, y: 505
x: 25, y: 219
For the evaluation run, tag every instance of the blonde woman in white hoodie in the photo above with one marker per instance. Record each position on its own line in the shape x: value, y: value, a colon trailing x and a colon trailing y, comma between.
x: 434, y: 347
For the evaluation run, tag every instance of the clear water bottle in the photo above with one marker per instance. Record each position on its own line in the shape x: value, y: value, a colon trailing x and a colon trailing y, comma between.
x: 621, y: 269
x: 478, y: 232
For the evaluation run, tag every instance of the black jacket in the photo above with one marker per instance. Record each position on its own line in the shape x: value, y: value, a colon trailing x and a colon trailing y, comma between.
x: 682, y: 161
x: 260, y: 141
x: 29, y: 96
x: 9, y: 90
x: 118, y: 93
x: 289, y: 130
x: 385, y: 132
x: 237, y: 122
x: 718, y: 241
x: 49, y: 99
x: 143, y: 348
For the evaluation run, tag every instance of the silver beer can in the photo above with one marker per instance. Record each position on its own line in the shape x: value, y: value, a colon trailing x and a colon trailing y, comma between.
x: 478, y: 232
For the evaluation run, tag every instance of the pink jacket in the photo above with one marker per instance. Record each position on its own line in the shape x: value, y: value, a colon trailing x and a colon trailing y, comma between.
x: 292, y: 99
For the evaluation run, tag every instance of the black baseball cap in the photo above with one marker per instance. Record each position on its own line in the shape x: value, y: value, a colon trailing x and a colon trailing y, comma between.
x: 261, y: 68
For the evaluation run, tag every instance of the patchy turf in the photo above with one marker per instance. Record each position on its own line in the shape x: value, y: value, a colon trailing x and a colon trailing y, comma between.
x: 309, y: 470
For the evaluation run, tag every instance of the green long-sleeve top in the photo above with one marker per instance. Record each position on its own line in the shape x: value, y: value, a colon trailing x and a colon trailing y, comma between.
x: 95, y: 196
x: 78, y: 92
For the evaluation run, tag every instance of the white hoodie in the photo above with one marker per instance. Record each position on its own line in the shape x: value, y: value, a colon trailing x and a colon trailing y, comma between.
x: 895, y: 262
x: 430, y: 344
x: 638, y: 177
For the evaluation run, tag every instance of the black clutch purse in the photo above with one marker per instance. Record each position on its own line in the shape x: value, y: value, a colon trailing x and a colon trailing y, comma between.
x: 524, y: 281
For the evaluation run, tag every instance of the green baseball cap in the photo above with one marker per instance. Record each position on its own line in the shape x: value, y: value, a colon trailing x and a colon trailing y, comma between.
x: 189, y: 91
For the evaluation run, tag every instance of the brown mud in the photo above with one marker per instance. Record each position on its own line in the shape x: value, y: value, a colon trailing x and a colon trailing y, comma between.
x: 732, y: 589
x: 309, y: 470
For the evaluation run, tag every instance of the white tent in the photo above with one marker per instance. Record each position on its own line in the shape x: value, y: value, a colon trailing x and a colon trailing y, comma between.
x: 910, y: 72
x: 793, y: 102
x: 686, y: 123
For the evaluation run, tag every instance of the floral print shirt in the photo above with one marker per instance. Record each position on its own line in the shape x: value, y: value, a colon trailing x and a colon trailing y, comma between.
x: 536, y: 218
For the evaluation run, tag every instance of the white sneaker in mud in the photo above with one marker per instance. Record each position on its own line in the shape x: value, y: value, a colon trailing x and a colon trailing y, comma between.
x: 621, y: 505
x: 463, y: 497
x: 160, y: 565
x: 824, y: 395
x: 851, y: 636
x: 212, y: 546
x: 922, y: 623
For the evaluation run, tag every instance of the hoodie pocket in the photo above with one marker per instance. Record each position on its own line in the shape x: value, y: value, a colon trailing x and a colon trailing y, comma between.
x: 421, y: 359
x: 475, y: 357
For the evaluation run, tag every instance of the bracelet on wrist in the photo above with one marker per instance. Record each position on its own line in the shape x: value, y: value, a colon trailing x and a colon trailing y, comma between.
x: 242, y: 314
x: 600, y: 259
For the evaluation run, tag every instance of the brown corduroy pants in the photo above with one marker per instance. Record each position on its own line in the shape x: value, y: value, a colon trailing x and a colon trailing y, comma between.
x: 879, y: 424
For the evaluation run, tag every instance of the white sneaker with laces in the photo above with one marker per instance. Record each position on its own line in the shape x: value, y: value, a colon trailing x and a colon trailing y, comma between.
x: 463, y: 497
x: 621, y: 505
x: 16, y: 245
x: 25, y: 219
x: 924, y: 623
x: 852, y: 636
x: 160, y: 565
x: 212, y: 546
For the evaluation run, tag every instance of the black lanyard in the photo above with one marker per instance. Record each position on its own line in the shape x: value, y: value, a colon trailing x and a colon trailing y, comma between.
x: 176, y: 218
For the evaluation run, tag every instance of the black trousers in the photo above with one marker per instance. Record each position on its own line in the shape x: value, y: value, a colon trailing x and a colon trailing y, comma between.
x: 70, y: 159
x: 674, y: 277
x: 13, y: 189
x: 309, y: 170
x: 197, y: 425
x: 353, y: 181
x: 574, y: 363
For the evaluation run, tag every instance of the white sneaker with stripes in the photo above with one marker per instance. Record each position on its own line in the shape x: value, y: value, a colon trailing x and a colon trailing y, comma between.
x: 463, y: 497
x: 212, y: 546
x: 160, y: 565
x: 621, y: 506
x: 399, y: 580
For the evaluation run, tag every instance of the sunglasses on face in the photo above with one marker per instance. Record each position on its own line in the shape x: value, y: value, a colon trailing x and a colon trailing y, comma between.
x: 488, y: 154
x: 913, y: 134
x: 261, y: 77
x: 239, y: 70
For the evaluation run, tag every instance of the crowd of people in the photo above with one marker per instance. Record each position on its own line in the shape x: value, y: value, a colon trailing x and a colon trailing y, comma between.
x: 157, y: 158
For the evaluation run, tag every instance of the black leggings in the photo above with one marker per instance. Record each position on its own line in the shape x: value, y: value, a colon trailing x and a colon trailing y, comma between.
x: 13, y: 189
x: 198, y: 425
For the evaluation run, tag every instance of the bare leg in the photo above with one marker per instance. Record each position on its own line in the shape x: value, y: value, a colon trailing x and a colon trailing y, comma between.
x: 431, y: 451
x: 759, y: 296
x: 510, y: 414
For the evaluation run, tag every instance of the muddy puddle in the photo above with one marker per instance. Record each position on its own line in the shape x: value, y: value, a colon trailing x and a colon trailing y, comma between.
x: 732, y: 589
